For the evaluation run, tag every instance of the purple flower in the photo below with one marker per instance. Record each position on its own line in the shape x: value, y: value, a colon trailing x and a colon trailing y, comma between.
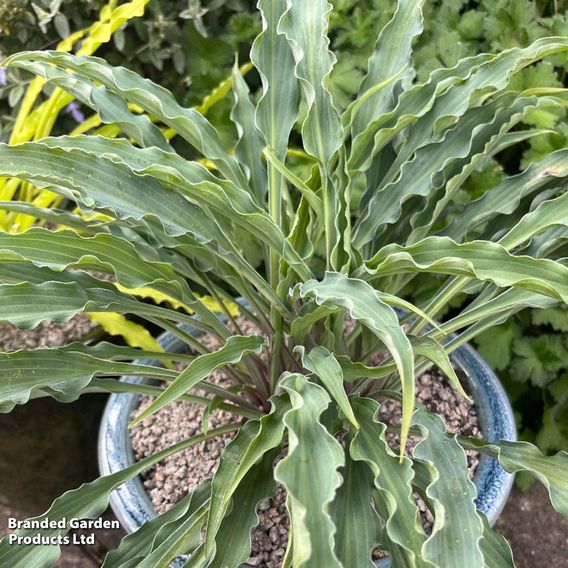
x: 3, y: 77
x: 75, y: 111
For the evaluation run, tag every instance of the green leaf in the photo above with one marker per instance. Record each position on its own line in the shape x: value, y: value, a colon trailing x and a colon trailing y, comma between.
x: 80, y: 176
x: 483, y: 260
x: 551, y: 471
x: 354, y: 516
x: 138, y: 545
x: 446, y: 95
x: 557, y: 318
x: 324, y: 364
x: 309, y: 473
x: 538, y: 359
x: 254, y: 440
x: 277, y: 108
x: 495, y: 548
x: 309, y: 314
x: 392, y: 53
x: 56, y: 216
x: 236, y: 347
x: 363, y: 303
x: 501, y: 307
x: 430, y: 349
x: 64, y: 295
x: 60, y: 373
x: 111, y: 108
x: 307, y: 193
x: 506, y: 197
x: 547, y: 214
x: 439, y: 160
x: 495, y: 345
x: 155, y: 100
x: 116, y: 190
x: 87, y: 502
x: 458, y: 529
x: 305, y: 26
x: 414, y: 103
x: 115, y: 386
x: 195, y: 182
x: 393, y: 478
x: 490, y: 77
x: 103, y: 252
x: 233, y: 542
x: 181, y: 539
x: 250, y: 145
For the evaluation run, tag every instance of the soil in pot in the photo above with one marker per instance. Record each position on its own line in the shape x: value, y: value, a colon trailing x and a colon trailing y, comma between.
x: 170, y: 480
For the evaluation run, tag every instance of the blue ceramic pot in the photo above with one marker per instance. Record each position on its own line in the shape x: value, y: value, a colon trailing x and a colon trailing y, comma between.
x: 131, y: 503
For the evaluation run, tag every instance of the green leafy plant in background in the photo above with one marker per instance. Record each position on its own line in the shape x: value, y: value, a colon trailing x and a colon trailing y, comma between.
x: 530, y: 352
x: 379, y: 205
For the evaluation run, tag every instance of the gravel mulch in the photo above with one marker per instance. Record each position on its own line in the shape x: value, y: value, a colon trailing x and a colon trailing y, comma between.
x: 46, y: 334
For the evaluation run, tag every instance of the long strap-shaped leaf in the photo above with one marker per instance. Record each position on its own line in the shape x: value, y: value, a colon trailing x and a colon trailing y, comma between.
x: 550, y: 213
x: 324, y: 364
x: 182, y: 539
x: 193, y: 180
x: 277, y: 109
x: 491, y: 77
x: 66, y: 249
x: 111, y: 108
x: 305, y: 25
x: 236, y: 347
x: 89, y: 501
x: 101, y: 182
x: 56, y: 216
x: 412, y: 104
x: 116, y: 189
x: 507, y: 302
x: 365, y: 305
x: 495, y: 548
x: 483, y: 260
x: 391, y: 54
x: 433, y: 162
x: 63, y: 295
x: 136, y: 546
x: 354, y: 516
x: 483, y: 144
x: 403, y: 531
x: 233, y: 543
x: 253, y: 441
x: 250, y: 145
x: 309, y: 474
x: 551, y: 471
x: 60, y: 373
x: 155, y: 100
x: 458, y: 529
x: 430, y: 349
x: 447, y: 93
x: 505, y: 198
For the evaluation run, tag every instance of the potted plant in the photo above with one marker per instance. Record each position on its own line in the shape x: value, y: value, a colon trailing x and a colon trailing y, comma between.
x: 321, y: 254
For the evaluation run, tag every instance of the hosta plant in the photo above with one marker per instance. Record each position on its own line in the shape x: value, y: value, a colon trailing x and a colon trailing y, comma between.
x: 319, y: 234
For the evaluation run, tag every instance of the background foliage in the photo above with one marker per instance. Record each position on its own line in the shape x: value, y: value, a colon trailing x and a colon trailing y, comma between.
x: 190, y: 46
